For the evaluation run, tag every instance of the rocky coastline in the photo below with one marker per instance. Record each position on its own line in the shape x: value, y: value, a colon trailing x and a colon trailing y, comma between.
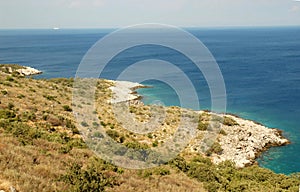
x: 28, y: 71
x: 19, y: 70
x: 242, y: 143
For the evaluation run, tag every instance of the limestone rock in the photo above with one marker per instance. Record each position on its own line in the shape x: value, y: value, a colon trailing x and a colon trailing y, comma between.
x: 27, y: 71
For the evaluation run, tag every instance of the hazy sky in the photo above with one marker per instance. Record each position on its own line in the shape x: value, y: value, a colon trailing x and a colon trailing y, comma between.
x: 120, y: 13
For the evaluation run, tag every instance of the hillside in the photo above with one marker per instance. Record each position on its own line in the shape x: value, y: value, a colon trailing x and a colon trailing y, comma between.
x: 41, y: 148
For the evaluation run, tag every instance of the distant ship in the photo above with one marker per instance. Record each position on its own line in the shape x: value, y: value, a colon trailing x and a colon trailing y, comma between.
x: 55, y: 28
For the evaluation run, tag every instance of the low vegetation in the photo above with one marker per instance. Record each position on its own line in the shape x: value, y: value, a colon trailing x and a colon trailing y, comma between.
x: 225, y: 177
x: 41, y: 148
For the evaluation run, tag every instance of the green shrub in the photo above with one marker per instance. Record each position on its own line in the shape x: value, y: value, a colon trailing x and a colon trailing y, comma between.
x: 122, y: 139
x: 4, y: 92
x: 202, y: 126
x: 32, y: 90
x: 98, y: 134
x: 50, y: 97
x: 229, y: 121
x: 58, y: 137
x: 161, y: 171
x: 103, y: 123
x: 21, y: 96
x: 225, y: 177
x: 7, y: 114
x: 28, y: 116
x: 84, y: 124
x: 94, y: 177
x: 67, y: 108
x: 113, y: 134
x: 23, y: 132
x: 95, y: 124
x: 9, y: 78
x: 65, y: 149
x: 54, y: 120
x: 155, y: 143
x: 71, y: 126
x: 223, y: 132
x: 136, y: 145
x: 180, y: 163
x: 215, y: 148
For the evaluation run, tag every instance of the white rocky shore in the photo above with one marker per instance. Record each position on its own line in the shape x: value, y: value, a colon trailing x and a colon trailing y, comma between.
x: 241, y: 144
x: 124, y: 91
x: 21, y: 70
x: 27, y: 71
x: 244, y: 142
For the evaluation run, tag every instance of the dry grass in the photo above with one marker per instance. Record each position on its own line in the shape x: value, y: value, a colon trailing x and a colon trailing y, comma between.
x: 41, y: 143
x: 39, y: 164
x: 175, y: 182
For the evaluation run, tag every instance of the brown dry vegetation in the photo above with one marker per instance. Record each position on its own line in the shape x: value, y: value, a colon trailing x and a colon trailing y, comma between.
x: 41, y: 148
x: 39, y: 142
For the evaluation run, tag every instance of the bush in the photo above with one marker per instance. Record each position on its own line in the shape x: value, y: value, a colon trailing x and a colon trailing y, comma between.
x: 50, y: 97
x: 136, y: 145
x: 23, y: 132
x: 180, y: 163
x: 98, y: 134
x: 113, y: 134
x: 215, y: 148
x: 4, y: 92
x: 67, y: 108
x: 71, y: 126
x: 95, y: 177
x: 95, y: 124
x: 202, y: 126
x: 6, y: 114
x: 28, y: 116
x: 9, y: 78
x: 223, y: 132
x: 155, y: 143
x: 54, y: 121
x: 84, y: 124
x: 229, y: 121
x: 161, y: 171
x: 58, y: 137
x: 225, y: 177
x: 21, y: 96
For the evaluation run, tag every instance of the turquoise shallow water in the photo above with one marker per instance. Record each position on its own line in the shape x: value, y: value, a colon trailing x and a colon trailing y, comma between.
x: 279, y: 159
x: 260, y: 66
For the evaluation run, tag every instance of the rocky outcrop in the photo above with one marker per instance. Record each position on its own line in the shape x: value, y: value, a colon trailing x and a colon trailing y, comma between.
x: 27, y: 71
x: 241, y: 141
x: 124, y: 91
x: 245, y: 141
x: 18, y: 70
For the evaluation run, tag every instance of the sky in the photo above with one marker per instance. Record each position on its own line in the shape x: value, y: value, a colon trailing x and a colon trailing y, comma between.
x: 121, y: 13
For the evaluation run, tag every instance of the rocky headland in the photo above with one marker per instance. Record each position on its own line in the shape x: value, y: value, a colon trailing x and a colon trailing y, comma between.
x: 241, y: 142
x: 42, y: 146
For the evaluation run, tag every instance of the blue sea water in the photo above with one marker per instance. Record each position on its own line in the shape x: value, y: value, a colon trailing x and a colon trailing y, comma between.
x: 260, y: 66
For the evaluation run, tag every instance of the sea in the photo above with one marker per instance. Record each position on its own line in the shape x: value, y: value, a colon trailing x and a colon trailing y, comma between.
x: 260, y: 68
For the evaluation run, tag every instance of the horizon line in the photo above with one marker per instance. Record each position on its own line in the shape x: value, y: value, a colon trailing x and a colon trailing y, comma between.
x: 119, y: 27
